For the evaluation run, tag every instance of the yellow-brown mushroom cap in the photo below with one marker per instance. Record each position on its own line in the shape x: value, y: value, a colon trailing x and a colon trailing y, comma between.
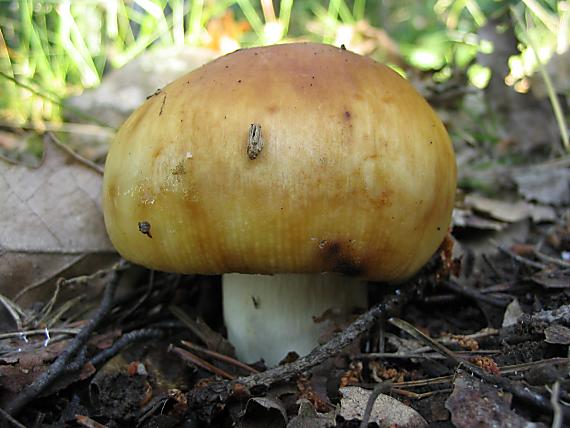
x: 356, y: 174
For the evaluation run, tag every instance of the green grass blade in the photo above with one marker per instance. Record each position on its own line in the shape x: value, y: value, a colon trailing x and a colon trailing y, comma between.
x: 195, y: 21
x: 358, y: 9
x: 558, y: 113
x: 177, y: 21
x: 285, y: 10
x: 251, y: 16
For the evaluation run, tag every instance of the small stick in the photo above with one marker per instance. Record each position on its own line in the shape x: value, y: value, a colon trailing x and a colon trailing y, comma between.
x: 219, y: 356
x: 420, y: 396
x: 194, y: 359
x: 558, y: 416
x: 521, y: 259
x: 38, y: 332
x: 79, y: 280
x: 408, y: 355
x: 10, y: 419
x: 124, y: 341
x: 548, y: 259
x: 521, y: 392
x: 74, y: 155
x: 86, y: 421
x: 143, y: 298
x: 324, y: 352
x: 48, y: 377
x: 475, y: 294
x: 218, y: 392
x: 52, y: 98
x: 378, y: 389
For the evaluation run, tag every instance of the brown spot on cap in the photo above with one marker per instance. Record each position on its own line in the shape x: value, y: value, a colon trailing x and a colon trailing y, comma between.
x: 347, y: 115
x: 339, y: 257
x: 144, y: 228
x: 112, y: 193
x: 156, y: 153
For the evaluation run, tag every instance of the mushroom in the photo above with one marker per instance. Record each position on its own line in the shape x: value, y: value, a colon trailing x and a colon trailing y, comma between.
x: 299, y: 171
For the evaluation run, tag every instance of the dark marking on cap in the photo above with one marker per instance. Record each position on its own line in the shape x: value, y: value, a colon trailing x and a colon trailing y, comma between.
x: 154, y: 93
x: 256, y: 302
x: 347, y: 115
x: 162, y: 105
x: 144, y: 228
x: 179, y: 169
x: 113, y: 192
x: 339, y: 257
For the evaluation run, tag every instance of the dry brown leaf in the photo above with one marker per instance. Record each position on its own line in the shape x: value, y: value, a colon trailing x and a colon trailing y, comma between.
x: 545, y: 185
x: 51, y: 218
x: 508, y: 211
x: 386, y: 412
x: 474, y: 403
x: 263, y: 412
x: 557, y: 334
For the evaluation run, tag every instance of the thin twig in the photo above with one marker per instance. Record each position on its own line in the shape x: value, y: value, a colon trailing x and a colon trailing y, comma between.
x: 124, y: 341
x: 38, y: 332
x: 142, y: 299
x: 557, y: 109
x: 74, y: 155
x: 548, y: 259
x: 219, y: 356
x: 558, y: 416
x: 48, y: 377
x: 54, y: 100
x: 378, y: 389
x: 197, y: 361
x: 63, y: 127
x: 517, y: 390
x: 430, y: 356
x: 203, y: 400
x: 8, y: 418
x: 46, y: 310
x: 515, y: 368
x: 45, y: 281
x: 319, y: 354
x: 199, y: 328
x: 521, y: 259
x: 86, y: 421
x: 475, y: 294
x: 79, y: 280
x: 419, y: 396
x: 14, y: 310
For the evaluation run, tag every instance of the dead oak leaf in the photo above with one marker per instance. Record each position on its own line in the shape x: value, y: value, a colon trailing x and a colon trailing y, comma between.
x: 50, y: 218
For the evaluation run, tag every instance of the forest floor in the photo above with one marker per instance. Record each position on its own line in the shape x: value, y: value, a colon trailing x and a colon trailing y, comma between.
x: 480, y: 337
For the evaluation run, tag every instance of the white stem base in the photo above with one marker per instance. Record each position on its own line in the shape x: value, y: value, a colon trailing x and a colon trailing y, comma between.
x: 268, y: 316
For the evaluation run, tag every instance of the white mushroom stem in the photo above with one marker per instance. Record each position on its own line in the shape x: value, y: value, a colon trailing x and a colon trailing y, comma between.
x: 268, y: 316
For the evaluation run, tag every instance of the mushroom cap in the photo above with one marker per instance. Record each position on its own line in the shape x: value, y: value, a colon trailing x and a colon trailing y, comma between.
x: 356, y: 173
